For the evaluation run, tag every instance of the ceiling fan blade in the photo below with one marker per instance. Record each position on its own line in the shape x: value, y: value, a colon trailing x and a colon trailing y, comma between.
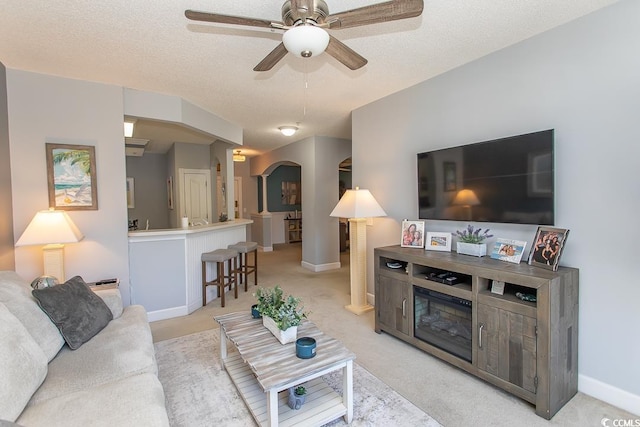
x: 382, y: 12
x: 228, y: 19
x: 272, y: 58
x: 345, y: 54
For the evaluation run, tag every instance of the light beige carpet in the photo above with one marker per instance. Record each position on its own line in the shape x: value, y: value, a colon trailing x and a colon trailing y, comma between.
x: 199, y: 393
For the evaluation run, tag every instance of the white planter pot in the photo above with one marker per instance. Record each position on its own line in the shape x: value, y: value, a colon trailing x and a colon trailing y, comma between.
x: 290, y: 335
x: 475, y: 249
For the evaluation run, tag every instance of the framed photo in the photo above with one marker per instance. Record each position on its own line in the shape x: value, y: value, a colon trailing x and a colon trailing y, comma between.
x: 508, y: 250
x: 438, y: 241
x: 130, y: 194
x: 449, y: 170
x: 547, y: 247
x: 412, y: 234
x: 71, y: 177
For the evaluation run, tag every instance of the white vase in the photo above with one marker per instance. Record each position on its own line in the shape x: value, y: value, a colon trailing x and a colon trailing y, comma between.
x: 475, y: 249
x: 290, y: 335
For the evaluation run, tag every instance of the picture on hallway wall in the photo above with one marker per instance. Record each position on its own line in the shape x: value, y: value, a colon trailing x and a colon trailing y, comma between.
x: 412, y: 234
x: 71, y: 177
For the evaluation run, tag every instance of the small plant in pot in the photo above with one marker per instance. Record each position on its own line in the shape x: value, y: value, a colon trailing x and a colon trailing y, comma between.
x: 470, y: 241
x: 296, y: 397
x: 280, y: 313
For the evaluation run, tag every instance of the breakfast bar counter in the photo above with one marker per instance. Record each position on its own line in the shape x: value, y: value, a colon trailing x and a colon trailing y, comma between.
x: 165, y: 268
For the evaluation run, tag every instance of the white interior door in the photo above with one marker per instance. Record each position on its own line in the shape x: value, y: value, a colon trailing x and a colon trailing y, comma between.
x: 195, y: 195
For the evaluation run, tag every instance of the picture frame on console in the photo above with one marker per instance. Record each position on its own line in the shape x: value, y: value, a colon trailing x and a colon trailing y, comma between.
x: 437, y: 241
x: 412, y: 234
x: 547, y: 247
x: 508, y: 250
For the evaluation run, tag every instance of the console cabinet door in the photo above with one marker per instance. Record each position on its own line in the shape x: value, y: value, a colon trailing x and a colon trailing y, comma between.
x: 393, y: 304
x: 507, y: 346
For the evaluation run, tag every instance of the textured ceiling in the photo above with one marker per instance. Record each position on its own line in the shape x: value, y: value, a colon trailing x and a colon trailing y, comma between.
x: 150, y: 45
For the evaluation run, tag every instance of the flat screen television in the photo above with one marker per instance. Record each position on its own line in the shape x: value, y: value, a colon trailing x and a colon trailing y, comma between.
x: 507, y: 180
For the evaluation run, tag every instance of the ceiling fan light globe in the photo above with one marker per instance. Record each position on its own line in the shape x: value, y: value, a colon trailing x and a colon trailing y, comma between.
x: 305, y: 41
x: 288, y: 130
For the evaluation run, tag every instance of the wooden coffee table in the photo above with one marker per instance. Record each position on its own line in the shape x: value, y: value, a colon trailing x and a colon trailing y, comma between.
x: 262, y: 368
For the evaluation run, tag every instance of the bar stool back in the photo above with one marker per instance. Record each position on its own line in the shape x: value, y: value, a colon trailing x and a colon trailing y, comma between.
x: 219, y: 256
x: 244, y: 268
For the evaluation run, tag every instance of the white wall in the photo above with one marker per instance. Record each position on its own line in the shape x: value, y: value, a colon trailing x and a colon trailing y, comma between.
x: 50, y: 109
x: 582, y: 80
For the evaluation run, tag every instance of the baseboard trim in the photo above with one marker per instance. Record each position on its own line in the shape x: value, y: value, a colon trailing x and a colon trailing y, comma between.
x: 607, y: 393
x: 320, y: 267
x: 168, y: 313
x: 266, y: 248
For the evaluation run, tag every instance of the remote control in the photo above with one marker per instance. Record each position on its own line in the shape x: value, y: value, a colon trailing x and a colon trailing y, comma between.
x: 106, y: 281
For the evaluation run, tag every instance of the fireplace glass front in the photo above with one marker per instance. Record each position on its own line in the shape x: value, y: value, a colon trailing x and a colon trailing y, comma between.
x: 443, y: 321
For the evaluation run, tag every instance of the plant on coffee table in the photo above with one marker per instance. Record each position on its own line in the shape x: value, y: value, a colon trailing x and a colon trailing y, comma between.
x: 296, y: 397
x: 280, y: 313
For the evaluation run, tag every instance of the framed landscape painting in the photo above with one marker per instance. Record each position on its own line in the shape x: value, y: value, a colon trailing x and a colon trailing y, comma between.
x: 71, y: 177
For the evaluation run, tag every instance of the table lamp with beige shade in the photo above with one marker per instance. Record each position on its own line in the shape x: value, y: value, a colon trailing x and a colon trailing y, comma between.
x: 53, y: 229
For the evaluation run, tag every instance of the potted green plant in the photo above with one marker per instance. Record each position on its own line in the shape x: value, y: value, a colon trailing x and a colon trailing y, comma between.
x: 470, y: 241
x: 279, y: 314
x: 296, y: 397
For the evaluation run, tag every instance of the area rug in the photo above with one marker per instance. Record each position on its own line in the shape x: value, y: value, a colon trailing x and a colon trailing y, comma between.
x: 199, y: 393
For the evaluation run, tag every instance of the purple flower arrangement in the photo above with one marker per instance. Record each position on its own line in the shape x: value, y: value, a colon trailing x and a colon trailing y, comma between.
x: 471, y: 235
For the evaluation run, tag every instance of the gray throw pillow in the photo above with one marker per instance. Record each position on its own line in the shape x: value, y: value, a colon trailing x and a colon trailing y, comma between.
x: 72, y: 306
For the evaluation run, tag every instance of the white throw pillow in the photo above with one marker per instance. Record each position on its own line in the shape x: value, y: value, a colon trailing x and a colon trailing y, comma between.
x: 23, y: 366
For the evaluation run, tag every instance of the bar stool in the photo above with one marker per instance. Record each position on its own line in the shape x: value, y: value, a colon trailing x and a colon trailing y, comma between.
x: 219, y: 256
x: 244, y: 268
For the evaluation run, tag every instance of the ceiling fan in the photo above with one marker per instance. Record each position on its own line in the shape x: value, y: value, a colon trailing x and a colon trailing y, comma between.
x: 305, y: 22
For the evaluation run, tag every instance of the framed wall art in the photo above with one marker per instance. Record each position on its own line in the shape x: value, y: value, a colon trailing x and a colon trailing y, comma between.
x: 412, y: 234
x: 131, y: 200
x: 437, y: 241
x: 170, y: 192
x: 547, y: 247
x: 71, y: 177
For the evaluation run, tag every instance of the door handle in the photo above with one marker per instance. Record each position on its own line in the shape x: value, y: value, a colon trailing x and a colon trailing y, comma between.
x: 480, y: 327
x: 404, y: 307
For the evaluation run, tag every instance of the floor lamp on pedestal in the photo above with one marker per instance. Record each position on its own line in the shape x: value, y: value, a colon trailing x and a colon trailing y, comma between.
x: 358, y: 205
x: 51, y: 228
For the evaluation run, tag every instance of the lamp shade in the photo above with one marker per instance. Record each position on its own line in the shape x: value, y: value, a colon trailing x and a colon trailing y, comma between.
x: 466, y: 198
x: 49, y: 227
x: 305, y: 41
x: 357, y: 204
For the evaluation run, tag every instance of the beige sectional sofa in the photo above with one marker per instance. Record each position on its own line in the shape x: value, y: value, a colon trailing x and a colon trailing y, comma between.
x: 109, y: 380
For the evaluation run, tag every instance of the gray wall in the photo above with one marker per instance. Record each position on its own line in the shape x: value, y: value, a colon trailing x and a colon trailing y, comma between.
x: 51, y: 109
x: 319, y: 158
x: 7, y: 256
x: 582, y: 80
x: 149, y: 173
